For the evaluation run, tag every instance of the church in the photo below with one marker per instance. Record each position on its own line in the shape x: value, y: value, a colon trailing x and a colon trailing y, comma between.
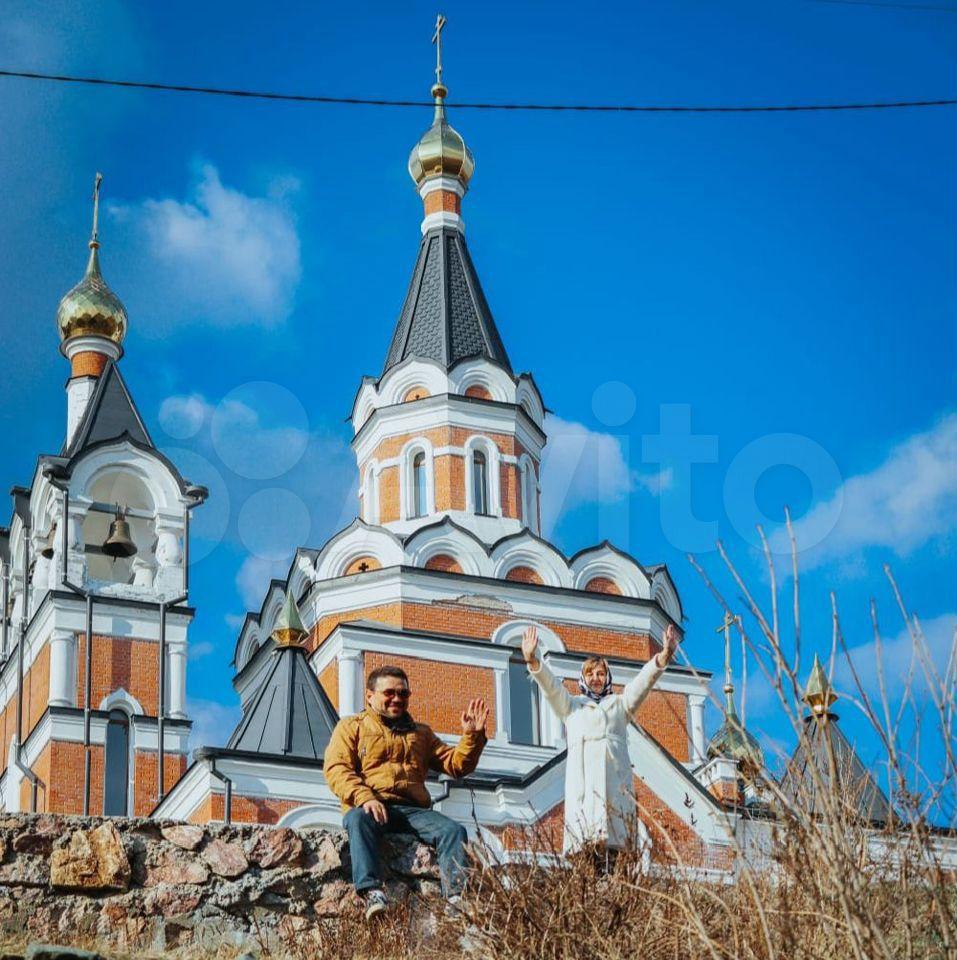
x: 440, y: 573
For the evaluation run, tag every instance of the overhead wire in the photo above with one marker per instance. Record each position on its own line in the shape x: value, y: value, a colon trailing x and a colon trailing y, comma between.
x: 571, y: 107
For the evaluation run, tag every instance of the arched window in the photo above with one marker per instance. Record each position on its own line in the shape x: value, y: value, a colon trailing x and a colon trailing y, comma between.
x: 419, y: 492
x: 480, y: 482
x: 116, y: 766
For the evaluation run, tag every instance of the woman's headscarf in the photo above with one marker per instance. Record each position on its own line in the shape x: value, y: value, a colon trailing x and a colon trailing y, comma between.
x: 588, y: 692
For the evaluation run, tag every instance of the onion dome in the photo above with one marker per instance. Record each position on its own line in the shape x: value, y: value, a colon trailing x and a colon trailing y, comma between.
x: 289, y: 630
x: 735, y: 743
x: 91, y: 308
x: 441, y: 151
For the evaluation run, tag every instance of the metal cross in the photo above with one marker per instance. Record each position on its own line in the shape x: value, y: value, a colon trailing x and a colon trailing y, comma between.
x: 96, y: 203
x: 437, y: 40
x: 363, y: 567
x: 726, y: 627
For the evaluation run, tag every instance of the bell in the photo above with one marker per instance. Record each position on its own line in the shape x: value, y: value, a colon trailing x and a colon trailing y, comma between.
x: 119, y: 543
x: 46, y: 551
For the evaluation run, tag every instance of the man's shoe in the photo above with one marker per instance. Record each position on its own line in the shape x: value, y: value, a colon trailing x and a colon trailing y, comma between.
x: 376, y: 902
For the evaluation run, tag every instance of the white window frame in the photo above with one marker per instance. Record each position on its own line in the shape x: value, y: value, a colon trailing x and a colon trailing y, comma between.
x: 492, y: 475
x: 407, y: 479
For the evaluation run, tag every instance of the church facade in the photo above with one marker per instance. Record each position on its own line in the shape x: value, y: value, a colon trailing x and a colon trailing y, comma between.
x: 440, y: 573
x: 443, y: 568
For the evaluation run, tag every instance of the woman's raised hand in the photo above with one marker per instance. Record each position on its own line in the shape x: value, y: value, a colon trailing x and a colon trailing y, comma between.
x: 530, y: 646
x: 672, y: 639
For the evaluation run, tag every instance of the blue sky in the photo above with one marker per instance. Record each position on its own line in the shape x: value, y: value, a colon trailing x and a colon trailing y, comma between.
x: 783, y: 286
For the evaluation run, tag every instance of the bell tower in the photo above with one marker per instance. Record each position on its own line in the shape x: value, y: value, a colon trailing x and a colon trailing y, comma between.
x: 93, y: 654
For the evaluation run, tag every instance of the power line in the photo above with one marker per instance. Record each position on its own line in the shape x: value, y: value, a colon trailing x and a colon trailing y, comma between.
x: 578, y: 107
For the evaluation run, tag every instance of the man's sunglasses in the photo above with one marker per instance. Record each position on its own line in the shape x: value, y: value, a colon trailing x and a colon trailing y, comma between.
x: 395, y: 694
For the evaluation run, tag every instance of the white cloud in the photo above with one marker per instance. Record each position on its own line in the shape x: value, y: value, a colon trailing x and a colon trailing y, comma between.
x: 260, y: 430
x: 254, y: 576
x: 898, y: 657
x: 213, y: 722
x: 587, y: 466
x: 183, y: 417
x: 234, y: 620
x: 199, y: 650
x: 907, y: 501
x: 220, y: 256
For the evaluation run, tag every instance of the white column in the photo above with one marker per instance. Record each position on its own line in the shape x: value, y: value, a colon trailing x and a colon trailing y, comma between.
x: 503, y: 712
x: 143, y: 571
x: 62, y: 669
x: 78, y: 393
x: 696, y: 717
x: 176, y: 653
x: 11, y: 798
x: 169, y: 552
x: 350, y: 682
x: 553, y: 730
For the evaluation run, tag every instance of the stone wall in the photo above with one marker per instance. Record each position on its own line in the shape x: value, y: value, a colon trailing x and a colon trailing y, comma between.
x: 162, y: 888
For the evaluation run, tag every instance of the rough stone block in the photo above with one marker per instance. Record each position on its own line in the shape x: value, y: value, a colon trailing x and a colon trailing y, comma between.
x: 93, y: 860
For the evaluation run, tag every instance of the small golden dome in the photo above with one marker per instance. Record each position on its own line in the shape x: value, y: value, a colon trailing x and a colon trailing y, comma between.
x: 91, y: 308
x: 441, y: 151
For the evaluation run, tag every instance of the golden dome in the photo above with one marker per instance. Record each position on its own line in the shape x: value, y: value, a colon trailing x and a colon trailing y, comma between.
x: 441, y: 151
x: 91, y: 308
x: 734, y: 742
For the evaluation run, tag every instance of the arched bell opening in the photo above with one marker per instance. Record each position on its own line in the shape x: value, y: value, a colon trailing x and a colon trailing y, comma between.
x: 118, y: 531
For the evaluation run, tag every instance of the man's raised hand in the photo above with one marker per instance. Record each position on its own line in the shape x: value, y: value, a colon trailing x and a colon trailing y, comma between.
x: 530, y: 646
x: 475, y: 716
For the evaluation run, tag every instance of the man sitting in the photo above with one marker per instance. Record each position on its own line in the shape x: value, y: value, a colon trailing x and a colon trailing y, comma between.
x: 376, y: 764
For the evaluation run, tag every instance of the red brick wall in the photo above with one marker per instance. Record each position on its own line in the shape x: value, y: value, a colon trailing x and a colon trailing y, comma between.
x: 329, y: 681
x: 441, y: 691
x: 672, y: 839
x: 523, y: 575
x: 603, y: 585
x: 449, y: 482
x: 120, y: 662
x: 66, y: 787
x: 462, y: 620
x: 442, y: 200
x: 443, y: 562
x: 36, y: 694
x: 244, y: 809
x: 146, y: 794
x: 664, y: 715
x: 510, y: 490
x: 42, y: 769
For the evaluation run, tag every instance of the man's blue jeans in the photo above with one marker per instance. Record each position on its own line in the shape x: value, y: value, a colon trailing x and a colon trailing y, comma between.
x: 430, y: 826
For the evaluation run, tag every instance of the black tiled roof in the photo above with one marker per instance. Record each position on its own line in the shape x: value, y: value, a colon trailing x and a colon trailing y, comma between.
x: 110, y: 414
x: 445, y: 317
x: 830, y: 752
x: 290, y: 714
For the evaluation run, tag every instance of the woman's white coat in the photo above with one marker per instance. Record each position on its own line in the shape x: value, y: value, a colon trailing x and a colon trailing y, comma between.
x: 599, y: 791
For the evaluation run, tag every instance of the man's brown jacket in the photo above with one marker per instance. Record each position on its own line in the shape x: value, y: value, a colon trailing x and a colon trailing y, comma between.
x: 366, y: 760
